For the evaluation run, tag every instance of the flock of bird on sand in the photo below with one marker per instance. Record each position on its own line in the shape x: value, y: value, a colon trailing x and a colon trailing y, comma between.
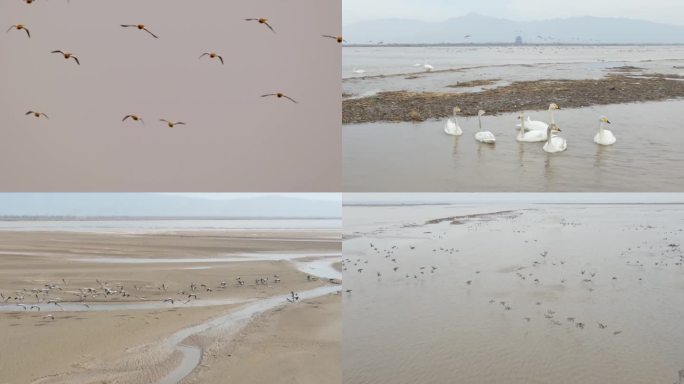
x: 50, y: 294
x: 532, y: 131
x: 142, y: 27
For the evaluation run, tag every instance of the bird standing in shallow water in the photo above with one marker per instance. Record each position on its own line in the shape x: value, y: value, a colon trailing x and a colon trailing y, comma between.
x: 140, y: 27
x: 20, y: 27
x: 264, y: 22
x: 68, y: 56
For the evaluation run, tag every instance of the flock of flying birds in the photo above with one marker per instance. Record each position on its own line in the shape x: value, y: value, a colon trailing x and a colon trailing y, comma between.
x: 142, y: 27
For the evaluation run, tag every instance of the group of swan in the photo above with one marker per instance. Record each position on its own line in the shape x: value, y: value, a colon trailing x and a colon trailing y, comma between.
x: 531, y: 131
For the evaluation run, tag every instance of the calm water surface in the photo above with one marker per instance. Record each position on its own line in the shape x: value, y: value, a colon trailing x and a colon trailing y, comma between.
x: 619, y: 266
x: 419, y: 157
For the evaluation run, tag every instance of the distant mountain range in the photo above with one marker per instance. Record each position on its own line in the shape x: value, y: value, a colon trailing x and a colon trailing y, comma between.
x: 162, y: 205
x: 484, y: 29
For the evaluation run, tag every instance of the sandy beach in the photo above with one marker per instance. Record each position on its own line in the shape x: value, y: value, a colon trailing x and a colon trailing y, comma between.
x: 103, y: 309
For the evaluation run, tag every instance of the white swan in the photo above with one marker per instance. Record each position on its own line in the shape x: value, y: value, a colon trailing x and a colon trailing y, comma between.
x: 554, y: 143
x: 604, y: 136
x: 532, y: 136
x: 484, y: 136
x: 428, y: 67
x: 533, y: 125
x: 359, y: 71
x: 451, y: 127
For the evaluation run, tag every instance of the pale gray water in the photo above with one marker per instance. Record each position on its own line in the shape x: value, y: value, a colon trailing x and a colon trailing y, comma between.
x: 419, y: 157
x: 155, y: 226
x: 505, y: 63
x: 438, y: 329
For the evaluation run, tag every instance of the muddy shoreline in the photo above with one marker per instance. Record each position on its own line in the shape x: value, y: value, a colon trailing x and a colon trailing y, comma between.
x: 401, y: 106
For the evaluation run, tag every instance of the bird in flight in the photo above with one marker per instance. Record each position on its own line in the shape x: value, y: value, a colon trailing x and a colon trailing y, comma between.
x: 339, y: 39
x: 20, y: 27
x: 68, y: 56
x: 264, y: 22
x: 134, y: 118
x: 36, y: 114
x: 212, y: 55
x: 280, y: 96
x: 140, y: 27
x: 466, y: 36
x: 172, y: 124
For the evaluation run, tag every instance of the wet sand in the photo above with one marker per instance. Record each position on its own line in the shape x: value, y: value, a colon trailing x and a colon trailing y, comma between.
x: 99, y: 343
x: 294, y: 344
x: 518, y: 96
x: 518, y: 294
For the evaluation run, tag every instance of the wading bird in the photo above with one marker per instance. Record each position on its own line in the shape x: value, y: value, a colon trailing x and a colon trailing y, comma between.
x: 264, y: 22
x: 20, y: 27
x: 68, y: 56
x: 140, y: 27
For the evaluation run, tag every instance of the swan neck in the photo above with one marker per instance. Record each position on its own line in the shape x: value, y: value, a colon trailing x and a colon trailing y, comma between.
x: 479, y: 121
x: 551, y: 116
x: 601, y: 128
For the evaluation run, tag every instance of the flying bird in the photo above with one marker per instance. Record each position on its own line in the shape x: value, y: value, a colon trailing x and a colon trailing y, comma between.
x: 68, y: 56
x: 172, y: 124
x: 339, y: 39
x: 36, y: 114
x: 212, y: 55
x: 280, y: 95
x: 134, y: 118
x: 264, y: 22
x: 140, y: 27
x: 20, y: 27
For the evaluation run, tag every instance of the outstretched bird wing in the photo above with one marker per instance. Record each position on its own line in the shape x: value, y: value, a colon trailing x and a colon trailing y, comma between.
x: 10, y: 28
x: 204, y: 54
x: 148, y: 31
x: 46, y: 116
x: 269, y: 27
x: 28, y: 113
x: 27, y: 32
x: 76, y: 58
x: 57, y: 52
x: 291, y: 99
x: 220, y: 58
x: 269, y: 94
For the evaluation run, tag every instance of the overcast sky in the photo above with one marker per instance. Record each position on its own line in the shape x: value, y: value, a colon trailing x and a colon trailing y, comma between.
x: 664, y: 11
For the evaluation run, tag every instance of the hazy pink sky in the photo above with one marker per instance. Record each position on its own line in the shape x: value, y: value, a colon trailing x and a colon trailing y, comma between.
x: 234, y: 140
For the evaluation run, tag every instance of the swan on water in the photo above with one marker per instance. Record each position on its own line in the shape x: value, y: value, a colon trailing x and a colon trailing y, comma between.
x: 554, y: 143
x: 358, y: 71
x: 532, y: 136
x: 604, y: 136
x: 451, y: 127
x: 484, y: 136
x: 532, y: 125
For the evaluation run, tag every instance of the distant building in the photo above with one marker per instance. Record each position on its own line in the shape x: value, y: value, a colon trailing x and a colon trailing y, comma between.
x: 519, y: 40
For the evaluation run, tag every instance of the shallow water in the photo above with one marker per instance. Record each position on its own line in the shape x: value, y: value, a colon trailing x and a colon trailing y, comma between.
x: 414, y: 157
x: 437, y: 328
x: 157, y: 226
x: 505, y: 63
